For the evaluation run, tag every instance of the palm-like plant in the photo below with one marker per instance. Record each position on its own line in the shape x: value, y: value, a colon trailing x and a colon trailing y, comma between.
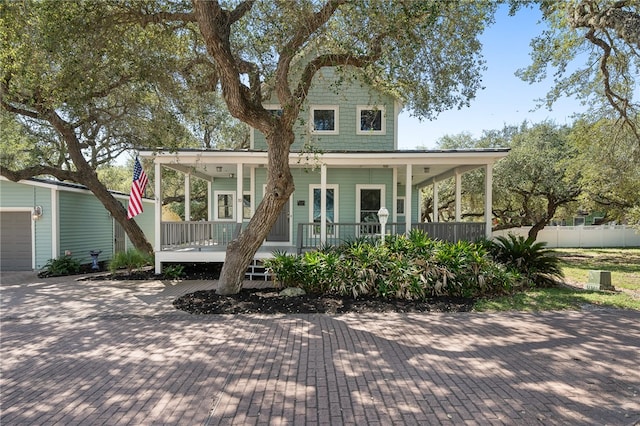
x: 532, y: 260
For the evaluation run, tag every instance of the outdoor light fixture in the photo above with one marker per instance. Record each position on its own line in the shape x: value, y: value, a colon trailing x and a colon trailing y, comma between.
x: 383, y: 216
x: 231, y: 175
x: 37, y: 213
x: 219, y: 169
x: 426, y: 170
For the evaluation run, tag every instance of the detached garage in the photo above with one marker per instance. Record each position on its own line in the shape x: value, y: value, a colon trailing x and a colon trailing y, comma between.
x: 43, y: 219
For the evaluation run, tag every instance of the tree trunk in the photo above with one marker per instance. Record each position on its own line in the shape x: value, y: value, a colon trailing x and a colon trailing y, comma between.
x: 87, y: 177
x: 539, y: 225
x: 118, y: 212
x: 279, y: 188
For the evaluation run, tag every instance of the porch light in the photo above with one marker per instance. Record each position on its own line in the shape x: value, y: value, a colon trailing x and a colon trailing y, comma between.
x: 383, y: 216
x: 37, y: 213
x: 219, y: 169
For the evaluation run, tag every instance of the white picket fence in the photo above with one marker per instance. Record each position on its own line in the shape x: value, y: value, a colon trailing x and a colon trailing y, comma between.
x: 582, y: 236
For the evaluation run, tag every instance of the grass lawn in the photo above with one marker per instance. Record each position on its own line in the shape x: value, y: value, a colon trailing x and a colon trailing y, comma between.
x: 624, y: 265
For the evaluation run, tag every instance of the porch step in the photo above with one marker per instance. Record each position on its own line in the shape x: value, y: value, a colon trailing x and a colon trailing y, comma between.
x: 257, y: 272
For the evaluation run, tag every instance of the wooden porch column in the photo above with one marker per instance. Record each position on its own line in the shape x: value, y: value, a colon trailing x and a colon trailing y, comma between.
x: 187, y: 197
x: 209, y: 200
x: 488, y: 199
x: 323, y: 204
x: 239, y: 189
x: 458, y: 195
x: 158, y: 213
x: 407, y: 198
x: 394, y: 195
x: 435, y: 200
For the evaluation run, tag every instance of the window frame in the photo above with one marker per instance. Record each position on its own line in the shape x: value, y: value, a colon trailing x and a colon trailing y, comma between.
x: 336, y: 219
x: 216, y: 206
x: 401, y: 202
x: 336, y: 114
x: 383, y: 119
x: 245, y: 194
x: 366, y: 229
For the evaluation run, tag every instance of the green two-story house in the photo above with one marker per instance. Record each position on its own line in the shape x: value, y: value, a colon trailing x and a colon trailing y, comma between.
x: 346, y: 167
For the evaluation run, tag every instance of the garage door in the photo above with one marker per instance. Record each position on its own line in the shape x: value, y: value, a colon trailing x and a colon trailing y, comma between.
x: 15, y: 241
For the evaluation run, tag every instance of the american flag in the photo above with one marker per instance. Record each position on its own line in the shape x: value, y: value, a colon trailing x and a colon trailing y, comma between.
x: 140, y: 180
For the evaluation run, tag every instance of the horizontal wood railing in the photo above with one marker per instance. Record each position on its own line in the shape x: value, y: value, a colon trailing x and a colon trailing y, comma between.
x: 337, y: 233
x: 179, y: 235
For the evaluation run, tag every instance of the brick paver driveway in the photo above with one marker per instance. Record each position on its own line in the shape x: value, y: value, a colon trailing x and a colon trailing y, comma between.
x: 91, y: 352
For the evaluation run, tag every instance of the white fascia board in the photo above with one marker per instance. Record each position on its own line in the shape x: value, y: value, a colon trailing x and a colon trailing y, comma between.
x: 348, y: 159
x: 62, y: 187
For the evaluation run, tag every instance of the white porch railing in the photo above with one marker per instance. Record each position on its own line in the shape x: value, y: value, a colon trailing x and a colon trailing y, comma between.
x: 337, y: 233
x: 178, y: 235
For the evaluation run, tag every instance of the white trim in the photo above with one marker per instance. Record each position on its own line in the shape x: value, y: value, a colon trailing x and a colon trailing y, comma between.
x: 488, y: 200
x: 16, y: 209
x: 458, y: 197
x: 239, y: 192
x: 336, y: 112
x: 383, y: 119
x: 157, y: 189
x: 362, y: 159
x: 209, y: 200
x: 397, y: 107
x: 187, y: 197
x: 252, y: 188
x: 394, y: 193
x: 68, y: 189
x: 55, y: 223
x: 336, y: 197
x: 234, y: 205
x: 436, y: 202
x: 408, y: 214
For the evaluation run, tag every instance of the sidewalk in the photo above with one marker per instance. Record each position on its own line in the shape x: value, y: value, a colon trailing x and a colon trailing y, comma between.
x: 101, y: 352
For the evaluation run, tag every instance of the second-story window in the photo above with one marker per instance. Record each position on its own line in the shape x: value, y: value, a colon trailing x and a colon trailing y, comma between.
x: 371, y: 119
x: 324, y: 119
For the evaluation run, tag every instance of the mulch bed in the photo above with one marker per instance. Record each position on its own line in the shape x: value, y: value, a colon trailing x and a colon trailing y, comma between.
x: 268, y: 301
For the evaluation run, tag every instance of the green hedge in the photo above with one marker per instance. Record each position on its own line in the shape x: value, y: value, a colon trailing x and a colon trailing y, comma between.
x: 406, y: 267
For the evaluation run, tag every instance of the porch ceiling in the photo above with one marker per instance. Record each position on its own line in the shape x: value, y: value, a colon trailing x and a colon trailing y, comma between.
x: 427, y: 166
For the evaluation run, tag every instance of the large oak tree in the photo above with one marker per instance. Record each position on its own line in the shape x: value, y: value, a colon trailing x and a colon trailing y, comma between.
x: 593, y: 49
x: 78, y: 87
x: 426, y: 52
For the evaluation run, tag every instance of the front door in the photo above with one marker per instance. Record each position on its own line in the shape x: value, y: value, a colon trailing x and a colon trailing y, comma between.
x: 369, y: 200
x: 280, y: 230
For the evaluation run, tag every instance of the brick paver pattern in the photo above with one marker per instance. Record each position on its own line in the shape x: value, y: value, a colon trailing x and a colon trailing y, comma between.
x: 114, y: 353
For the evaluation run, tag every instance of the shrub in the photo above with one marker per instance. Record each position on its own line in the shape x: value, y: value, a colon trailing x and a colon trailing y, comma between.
x: 173, y: 272
x: 537, y: 264
x: 130, y: 260
x: 406, y: 267
x: 64, y: 265
x: 286, y: 269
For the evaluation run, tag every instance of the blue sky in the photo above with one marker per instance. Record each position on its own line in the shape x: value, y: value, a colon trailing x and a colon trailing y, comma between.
x: 506, y: 99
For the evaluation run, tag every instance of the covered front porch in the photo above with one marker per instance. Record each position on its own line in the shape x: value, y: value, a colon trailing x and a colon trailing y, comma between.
x: 337, y: 198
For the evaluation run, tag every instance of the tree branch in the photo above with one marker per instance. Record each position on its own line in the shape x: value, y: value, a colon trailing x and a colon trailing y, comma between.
x: 619, y: 103
x: 39, y: 170
x: 290, y: 49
